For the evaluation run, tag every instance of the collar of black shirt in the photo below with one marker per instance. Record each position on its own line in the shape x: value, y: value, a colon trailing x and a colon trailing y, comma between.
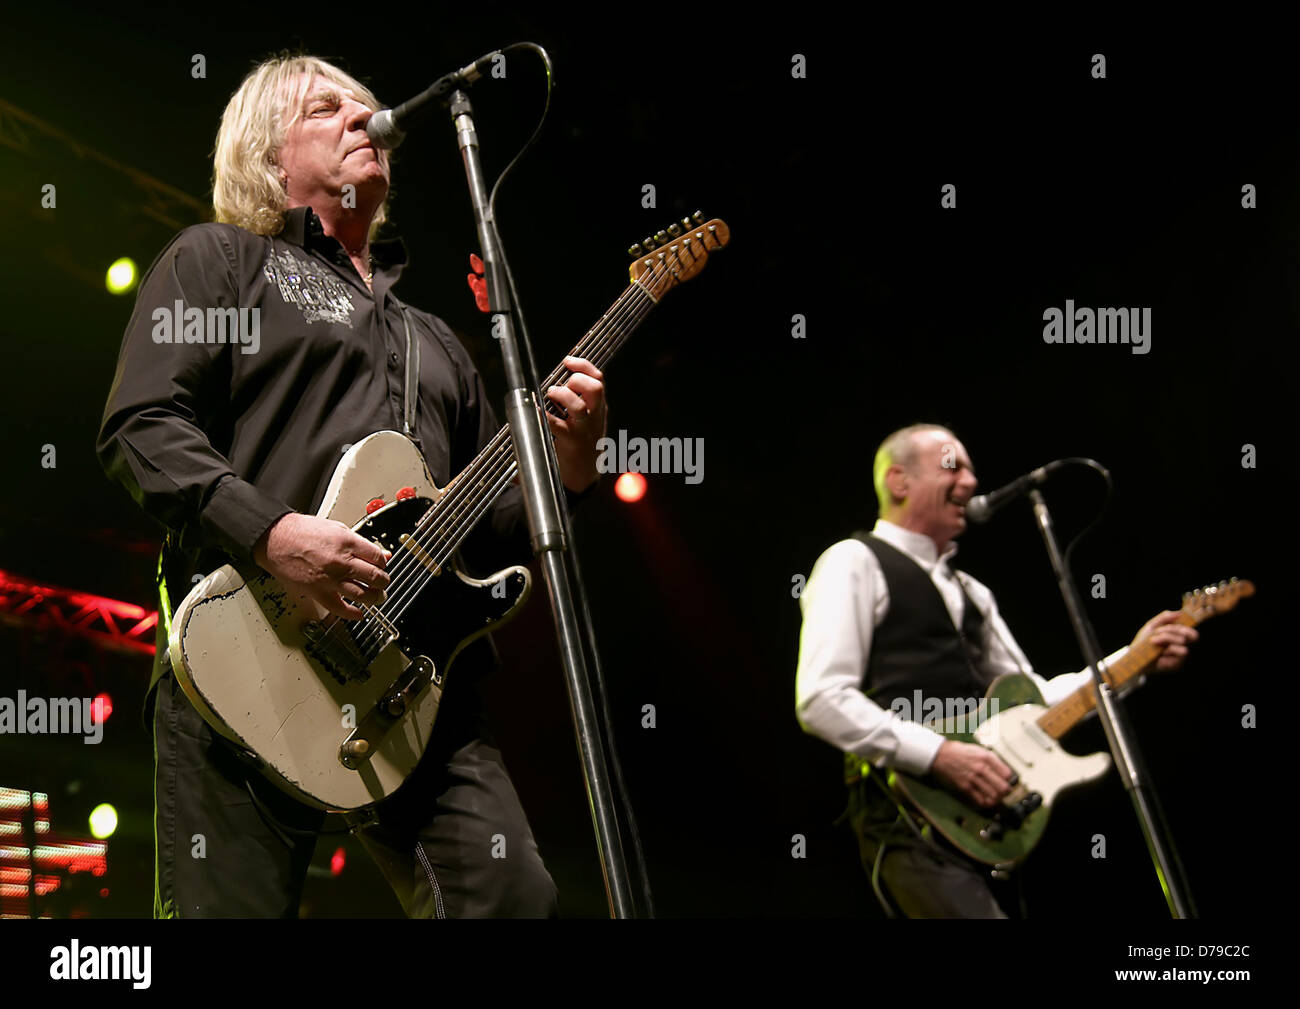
x: 303, y: 228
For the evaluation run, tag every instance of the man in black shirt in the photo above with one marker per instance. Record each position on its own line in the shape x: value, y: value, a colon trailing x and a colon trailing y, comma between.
x: 230, y: 438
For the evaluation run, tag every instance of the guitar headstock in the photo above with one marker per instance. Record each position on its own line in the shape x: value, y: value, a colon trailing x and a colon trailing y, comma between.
x: 677, y: 254
x: 1214, y: 599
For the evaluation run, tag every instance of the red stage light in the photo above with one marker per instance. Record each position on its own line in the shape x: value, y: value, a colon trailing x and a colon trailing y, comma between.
x: 336, y: 862
x: 101, y: 708
x: 630, y: 487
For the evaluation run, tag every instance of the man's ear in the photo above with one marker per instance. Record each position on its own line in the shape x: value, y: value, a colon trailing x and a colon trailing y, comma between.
x: 896, y: 481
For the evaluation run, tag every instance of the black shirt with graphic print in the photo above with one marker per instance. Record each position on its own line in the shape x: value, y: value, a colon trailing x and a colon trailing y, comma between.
x: 219, y: 440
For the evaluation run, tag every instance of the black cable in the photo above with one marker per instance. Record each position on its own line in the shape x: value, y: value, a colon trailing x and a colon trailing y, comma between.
x: 1110, y: 492
x: 283, y: 828
x: 875, y: 883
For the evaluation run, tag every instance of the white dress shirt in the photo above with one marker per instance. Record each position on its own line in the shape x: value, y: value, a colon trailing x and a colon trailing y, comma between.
x: 844, y: 601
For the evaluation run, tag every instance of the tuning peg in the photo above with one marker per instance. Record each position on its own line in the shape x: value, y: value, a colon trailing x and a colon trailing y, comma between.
x: 1222, y: 586
x: 698, y: 216
x: 686, y: 223
x: 649, y: 243
x: 635, y: 250
x: 674, y: 230
x: 661, y: 237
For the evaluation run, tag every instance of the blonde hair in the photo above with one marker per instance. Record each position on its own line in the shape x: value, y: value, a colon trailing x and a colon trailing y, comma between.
x: 246, y: 186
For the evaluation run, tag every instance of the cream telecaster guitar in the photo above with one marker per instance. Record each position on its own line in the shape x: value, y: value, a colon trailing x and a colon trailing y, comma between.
x: 339, y: 711
x: 1015, y: 723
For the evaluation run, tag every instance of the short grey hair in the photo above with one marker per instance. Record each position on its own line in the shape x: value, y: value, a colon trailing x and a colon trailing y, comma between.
x: 899, y: 449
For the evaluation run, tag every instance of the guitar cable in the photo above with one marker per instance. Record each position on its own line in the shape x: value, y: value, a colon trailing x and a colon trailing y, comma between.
x: 929, y: 844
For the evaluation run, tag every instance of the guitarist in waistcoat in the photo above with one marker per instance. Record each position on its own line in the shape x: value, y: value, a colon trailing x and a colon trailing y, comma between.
x: 231, y: 444
x: 888, y: 625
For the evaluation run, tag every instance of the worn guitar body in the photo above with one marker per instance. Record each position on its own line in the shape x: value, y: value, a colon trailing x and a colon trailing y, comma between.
x: 277, y: 675
x: 1007, y: 834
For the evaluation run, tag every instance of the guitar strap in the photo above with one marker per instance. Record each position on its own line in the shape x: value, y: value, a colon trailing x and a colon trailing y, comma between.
x: 411, y: 394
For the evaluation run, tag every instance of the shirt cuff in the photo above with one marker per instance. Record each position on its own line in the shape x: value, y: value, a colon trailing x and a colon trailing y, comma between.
x: 917, y: 747
x: 238, y: 515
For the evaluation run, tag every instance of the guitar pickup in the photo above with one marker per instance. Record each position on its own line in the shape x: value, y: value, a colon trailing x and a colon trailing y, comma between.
x: 336, y: 648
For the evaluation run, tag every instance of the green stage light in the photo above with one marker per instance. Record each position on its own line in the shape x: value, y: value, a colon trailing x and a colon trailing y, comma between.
x: 121, y: 276
x: 103, y: 821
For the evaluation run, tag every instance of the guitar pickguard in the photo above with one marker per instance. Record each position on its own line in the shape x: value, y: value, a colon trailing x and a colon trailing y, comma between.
x: 1004, y: 835
x: 276, y: 674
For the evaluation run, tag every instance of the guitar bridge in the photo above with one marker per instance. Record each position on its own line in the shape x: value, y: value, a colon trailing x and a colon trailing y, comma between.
x: 361, y: 743
x: 336, y: 648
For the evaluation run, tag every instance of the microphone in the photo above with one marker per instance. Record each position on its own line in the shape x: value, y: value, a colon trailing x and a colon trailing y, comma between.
x: 387, y: 127
x: 981, y: 509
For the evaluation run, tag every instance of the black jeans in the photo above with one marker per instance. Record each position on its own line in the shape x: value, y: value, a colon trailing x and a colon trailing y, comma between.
x: 924, y: 877
x: 452, y: 842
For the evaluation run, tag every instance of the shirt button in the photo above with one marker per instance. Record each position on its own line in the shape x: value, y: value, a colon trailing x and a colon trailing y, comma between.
x: 392, y: 356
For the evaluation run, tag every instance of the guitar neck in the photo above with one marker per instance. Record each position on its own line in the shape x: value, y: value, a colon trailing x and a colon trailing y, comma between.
x: 657, y: 270
x: 1064, y: 715
x: 483, y: 481
x: 1198, y: 606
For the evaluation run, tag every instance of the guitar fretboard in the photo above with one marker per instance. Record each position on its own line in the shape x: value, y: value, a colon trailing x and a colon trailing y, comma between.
x: 475, y: 489
x: 472, y: 492
x: 1065, y: 714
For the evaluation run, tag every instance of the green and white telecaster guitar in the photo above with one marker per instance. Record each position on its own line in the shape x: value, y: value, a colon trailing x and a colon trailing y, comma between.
x: 1024, y: 732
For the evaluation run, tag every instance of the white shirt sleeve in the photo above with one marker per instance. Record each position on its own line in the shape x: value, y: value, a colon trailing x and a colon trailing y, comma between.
x: 844, y: 601
x: 1060, y: 687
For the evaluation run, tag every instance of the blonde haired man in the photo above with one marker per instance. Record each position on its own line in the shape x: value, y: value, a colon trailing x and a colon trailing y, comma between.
x: 231, y: 443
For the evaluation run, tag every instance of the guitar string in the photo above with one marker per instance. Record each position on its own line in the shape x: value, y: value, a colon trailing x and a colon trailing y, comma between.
x: 492, y: 477
x: 470, y: 483
x: 481, y: 491
x: 617, y: 325
x: 604, y: 339
x: 444, y: 527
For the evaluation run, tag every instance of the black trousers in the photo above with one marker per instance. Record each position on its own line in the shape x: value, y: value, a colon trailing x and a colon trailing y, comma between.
x: 923, y: 877
x: 452, y: 842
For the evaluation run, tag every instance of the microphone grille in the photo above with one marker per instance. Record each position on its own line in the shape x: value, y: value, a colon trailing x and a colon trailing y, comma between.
x: 977, y: 509
x: 383, y: 131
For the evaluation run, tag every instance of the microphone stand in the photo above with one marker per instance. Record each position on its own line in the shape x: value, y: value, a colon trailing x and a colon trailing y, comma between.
x: 539, y: 478
x: 1128, y: 759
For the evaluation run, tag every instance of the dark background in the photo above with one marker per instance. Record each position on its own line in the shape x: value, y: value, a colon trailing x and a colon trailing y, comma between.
x: 1121, y: 192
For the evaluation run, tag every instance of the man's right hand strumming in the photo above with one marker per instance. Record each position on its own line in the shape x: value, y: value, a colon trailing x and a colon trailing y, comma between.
x: 325, y: 560
x: 972, y: 772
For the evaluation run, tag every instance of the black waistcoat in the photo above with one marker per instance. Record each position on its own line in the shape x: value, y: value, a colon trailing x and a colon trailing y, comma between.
x: 917, y: 646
